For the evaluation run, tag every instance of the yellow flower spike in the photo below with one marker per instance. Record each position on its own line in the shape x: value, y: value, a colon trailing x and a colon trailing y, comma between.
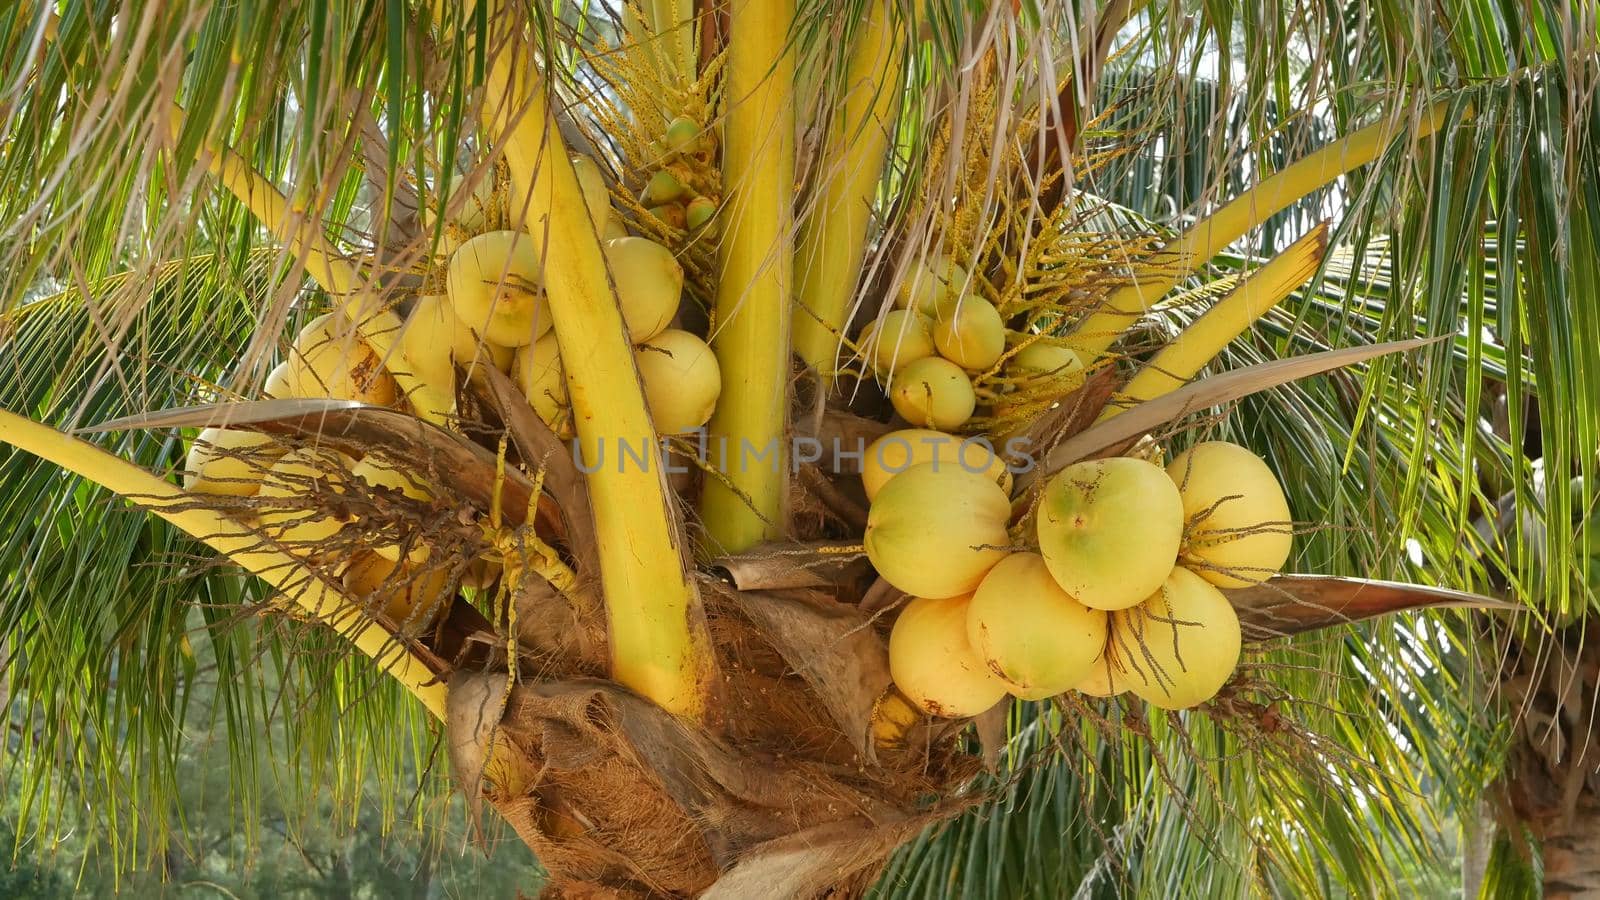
x: 1122, y: 309
x: 1200, y: 343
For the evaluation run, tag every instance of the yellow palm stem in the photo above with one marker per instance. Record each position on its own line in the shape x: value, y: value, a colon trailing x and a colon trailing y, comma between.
x: 833, y: 233
x: 1200, y: 343
x: 751, y: 337
x: 1122, y: 309
x: 379, y: 328
x: 659, y: 643
x: 298, y: 583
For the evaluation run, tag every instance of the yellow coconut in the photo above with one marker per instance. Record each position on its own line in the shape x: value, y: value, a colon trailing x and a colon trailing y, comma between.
x: 649, y: 282
x: 305, y: 477
x: 932, y: 663
x: 929, y: 283
x: 495, y: 283
x: 1237, y: 524
x: 278, y: 386
x: 411, y: 599
x: 435, y: 342
x: 1039, y: 360
x: 1180, y: 646
x: 969, y: 332
x: 933, y: 393
x: 228, y: 462
x: 1109, y: 530
x: 898, y: 339
x: 935, y: 531
x: 543, y: 381
x: 378, y: 470
x: 897, y: 451
x: 329, y: 359
x: 471, y: 209
x: 596, y: 195
x: 1031, y: 633
x: 1105, y: 678
x: 481, y: 574
x: 681, y: 379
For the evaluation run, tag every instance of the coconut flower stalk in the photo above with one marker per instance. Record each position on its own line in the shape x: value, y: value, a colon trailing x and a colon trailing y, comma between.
x: 656, y: 628
x: 833, y: 232
x: 299, y: 584
x: 379, y: 328
x: 1200, y: 342
x: 1095, y: 334
x: 744, y: 504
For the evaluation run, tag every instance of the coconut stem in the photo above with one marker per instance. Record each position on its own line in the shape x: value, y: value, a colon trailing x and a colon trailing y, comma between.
x: 1207, y: 238
x: 1199, y: 343
x: 751, y: 335
x: 659, y: 643
x: 833, y: 232
x: 379, y: 328
x: 298, y: 583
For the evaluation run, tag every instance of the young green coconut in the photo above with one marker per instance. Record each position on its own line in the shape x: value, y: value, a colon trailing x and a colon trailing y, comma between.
x: 1109, y: 530
x: 933, y: 664
x: 933, y: 393
x: 495, y: 288
x: 1180, y: 646
x: 935, y: 531
x: 1032, y: 634
x: 897, y: 451
x: 1238, y: 529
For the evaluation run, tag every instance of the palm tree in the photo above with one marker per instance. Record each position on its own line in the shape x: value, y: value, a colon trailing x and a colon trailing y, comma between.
x: 1353, y: 237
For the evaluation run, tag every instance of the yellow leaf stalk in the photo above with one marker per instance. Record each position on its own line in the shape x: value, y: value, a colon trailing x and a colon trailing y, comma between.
x: 1122, y: 309
x: 1199, y: 343
x: 659, y: 643
x: 299, y: 584
x: 751, y: 336
x: 833, y: 232
x: 379, y: 328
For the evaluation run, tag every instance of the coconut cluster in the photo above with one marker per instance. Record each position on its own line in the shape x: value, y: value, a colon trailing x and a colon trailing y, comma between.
x: 943, y: 349
x: 487, y: 309
x: 676, y: 190
x: 1119, y: 588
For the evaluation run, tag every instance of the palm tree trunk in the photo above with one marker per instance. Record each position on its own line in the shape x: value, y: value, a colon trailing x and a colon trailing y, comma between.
x: 1571, y: 846
x: 1552, y: 777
